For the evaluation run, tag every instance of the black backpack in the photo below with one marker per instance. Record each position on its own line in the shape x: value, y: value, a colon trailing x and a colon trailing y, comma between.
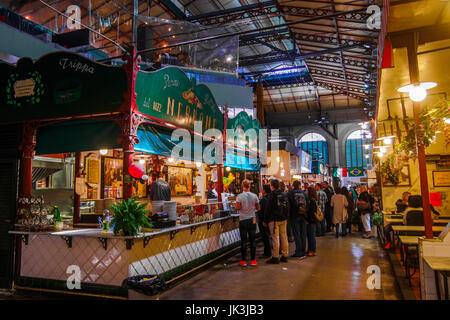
x: 281, y: 211
x: 300, y: 203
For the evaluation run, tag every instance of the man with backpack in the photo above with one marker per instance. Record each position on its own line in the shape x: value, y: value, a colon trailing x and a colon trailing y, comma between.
x: 275, y: 216
x: 298, y: 201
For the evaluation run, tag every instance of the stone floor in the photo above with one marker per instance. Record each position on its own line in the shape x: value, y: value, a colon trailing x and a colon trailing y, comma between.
x: 339, y: 271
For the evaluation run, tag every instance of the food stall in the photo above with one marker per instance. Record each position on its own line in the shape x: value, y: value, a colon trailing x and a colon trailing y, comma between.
x: 106, y: 123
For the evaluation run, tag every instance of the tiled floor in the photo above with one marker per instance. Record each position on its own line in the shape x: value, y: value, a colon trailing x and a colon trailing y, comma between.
x: 339, y: 271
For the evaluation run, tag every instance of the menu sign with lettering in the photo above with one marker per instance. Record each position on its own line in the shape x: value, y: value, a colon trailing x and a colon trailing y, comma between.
x: 59, y: 84
x: 168, y: 94
x: 441, y: 178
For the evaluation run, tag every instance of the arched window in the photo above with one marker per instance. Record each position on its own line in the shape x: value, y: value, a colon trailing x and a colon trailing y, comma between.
x: 358, y: 150
x: 316, y: 145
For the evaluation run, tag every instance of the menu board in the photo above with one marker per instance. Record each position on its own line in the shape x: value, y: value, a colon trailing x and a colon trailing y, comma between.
x: 441, y: 178
x: 93, y: 171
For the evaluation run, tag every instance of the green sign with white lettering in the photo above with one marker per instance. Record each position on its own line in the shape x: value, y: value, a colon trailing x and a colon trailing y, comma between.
x: 168, y: 94
x: 59, y: 84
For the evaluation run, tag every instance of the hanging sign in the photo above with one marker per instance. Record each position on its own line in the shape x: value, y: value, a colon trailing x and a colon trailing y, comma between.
x: 59, y: 84
x: 168, y: 94
x: 80, y: 186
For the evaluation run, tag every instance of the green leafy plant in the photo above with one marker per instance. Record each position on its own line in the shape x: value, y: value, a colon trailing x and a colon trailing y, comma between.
x: 376, y: 219
x: 129, y: 217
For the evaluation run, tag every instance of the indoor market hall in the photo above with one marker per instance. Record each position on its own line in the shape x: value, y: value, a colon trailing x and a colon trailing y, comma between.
x: 225, y: 158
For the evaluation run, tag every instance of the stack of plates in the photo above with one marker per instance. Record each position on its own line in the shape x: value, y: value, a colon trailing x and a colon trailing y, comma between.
x: 171, y: 208
x: 157, y: 206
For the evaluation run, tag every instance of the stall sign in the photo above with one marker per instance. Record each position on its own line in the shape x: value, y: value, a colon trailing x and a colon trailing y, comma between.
x: 168, y: 94
x: 59, y: 84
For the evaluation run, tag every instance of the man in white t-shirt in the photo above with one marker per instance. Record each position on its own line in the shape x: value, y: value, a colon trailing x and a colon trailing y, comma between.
x: 247, y: 203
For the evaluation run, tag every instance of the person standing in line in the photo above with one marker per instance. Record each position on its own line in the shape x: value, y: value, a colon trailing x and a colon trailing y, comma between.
x: 365, y: 209
x: 247, y: 203
x: 311, y: 221
x: 263, y: 227
x: 322, y: 201
x: 328, y: 210
x: 276, y: 215
x: 350, y: 209
x: 339, y: 204
x: 298, y: 202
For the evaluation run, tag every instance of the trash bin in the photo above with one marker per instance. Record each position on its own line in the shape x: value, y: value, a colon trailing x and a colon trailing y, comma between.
x: 142, y: 287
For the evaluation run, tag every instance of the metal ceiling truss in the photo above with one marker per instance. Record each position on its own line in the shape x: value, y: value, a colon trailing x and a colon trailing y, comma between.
x: 350, y: 76
x: 269, y: 8
x: 357, y: 62
x: 328, y: 40
x: 243, y: 12
x: 352, y: 92
x: 358, y: 17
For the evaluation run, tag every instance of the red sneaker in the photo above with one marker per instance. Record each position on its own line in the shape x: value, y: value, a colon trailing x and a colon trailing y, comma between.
x: 253, y: 263
x: 242, y: 263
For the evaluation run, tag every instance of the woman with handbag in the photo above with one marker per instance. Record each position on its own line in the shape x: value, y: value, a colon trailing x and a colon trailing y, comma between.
x: 365, y: 209
x: 314, y: 213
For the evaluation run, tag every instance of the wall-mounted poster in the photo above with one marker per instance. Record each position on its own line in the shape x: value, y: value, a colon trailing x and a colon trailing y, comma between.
x: 93, y: 170
x: 404, y: 178
x: 180, y: 181
x: 441, y: 178
x: 112, y: 178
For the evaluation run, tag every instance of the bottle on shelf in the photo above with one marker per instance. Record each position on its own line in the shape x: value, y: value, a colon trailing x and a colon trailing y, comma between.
x: 59, y: 225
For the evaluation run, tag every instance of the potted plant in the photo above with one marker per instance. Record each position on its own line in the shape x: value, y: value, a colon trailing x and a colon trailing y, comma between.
x: 129, y: 217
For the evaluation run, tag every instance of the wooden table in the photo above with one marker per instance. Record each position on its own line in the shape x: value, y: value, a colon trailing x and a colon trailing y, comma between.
x: 405, y: 243
x: 440, y: 265
x: 404, y: 230
x: 400, y: 221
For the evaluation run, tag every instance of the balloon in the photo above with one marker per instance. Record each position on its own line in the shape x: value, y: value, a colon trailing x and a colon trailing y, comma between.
x: 135, y: 172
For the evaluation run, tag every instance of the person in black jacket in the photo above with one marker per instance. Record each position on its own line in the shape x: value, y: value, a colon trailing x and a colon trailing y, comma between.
x: 311, y: 221
x: 298, y: 202
x: 328, y: 210
x: 263, y: 227
x: 275, y: 216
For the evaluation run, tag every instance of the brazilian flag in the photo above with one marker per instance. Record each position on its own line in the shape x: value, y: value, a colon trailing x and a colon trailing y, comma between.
x: 355, y: 172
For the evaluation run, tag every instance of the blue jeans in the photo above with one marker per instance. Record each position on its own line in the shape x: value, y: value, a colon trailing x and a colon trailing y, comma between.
x: 299, y: 231
x: 311, y: 231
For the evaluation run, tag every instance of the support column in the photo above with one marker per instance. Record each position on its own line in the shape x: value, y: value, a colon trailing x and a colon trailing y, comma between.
x: 414, y: 78
x: 260, y: 103
x: 76, y: 197
x: 26, y: 164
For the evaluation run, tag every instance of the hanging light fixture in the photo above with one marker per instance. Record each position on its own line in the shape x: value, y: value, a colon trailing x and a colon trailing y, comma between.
x: 141, y: 161
x: 198, y: 164
x: 380, y: 154
x: 387, y: 140
x: 447, y: 120
x: 417, y: 92
x: 366, y: 146
x: 103, y: 151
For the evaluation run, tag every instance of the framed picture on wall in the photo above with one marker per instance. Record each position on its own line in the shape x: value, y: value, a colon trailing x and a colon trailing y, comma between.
x: 180, y: 180
x: 404, y: 179
x: 441, y: 178
x: 112, y: 178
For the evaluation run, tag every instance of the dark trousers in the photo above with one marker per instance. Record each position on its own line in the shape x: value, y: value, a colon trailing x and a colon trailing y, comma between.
x: 328, y: 217
x: 299, y: 231
x: 247, y: 230
x: 343, y: 227
x: 311, y: 232
x: 320, y: 228
x: 265, y: 235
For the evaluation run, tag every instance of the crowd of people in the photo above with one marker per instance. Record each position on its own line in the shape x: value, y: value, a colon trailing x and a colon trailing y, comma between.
x: 301, y: 212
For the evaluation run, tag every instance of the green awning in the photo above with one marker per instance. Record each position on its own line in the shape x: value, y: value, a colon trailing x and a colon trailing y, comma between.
x: 77, y: 136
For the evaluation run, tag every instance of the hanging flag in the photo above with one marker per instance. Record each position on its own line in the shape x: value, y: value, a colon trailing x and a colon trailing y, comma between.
x: 344, y: 172
x: 355, y: 172
x: 386, y: 61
